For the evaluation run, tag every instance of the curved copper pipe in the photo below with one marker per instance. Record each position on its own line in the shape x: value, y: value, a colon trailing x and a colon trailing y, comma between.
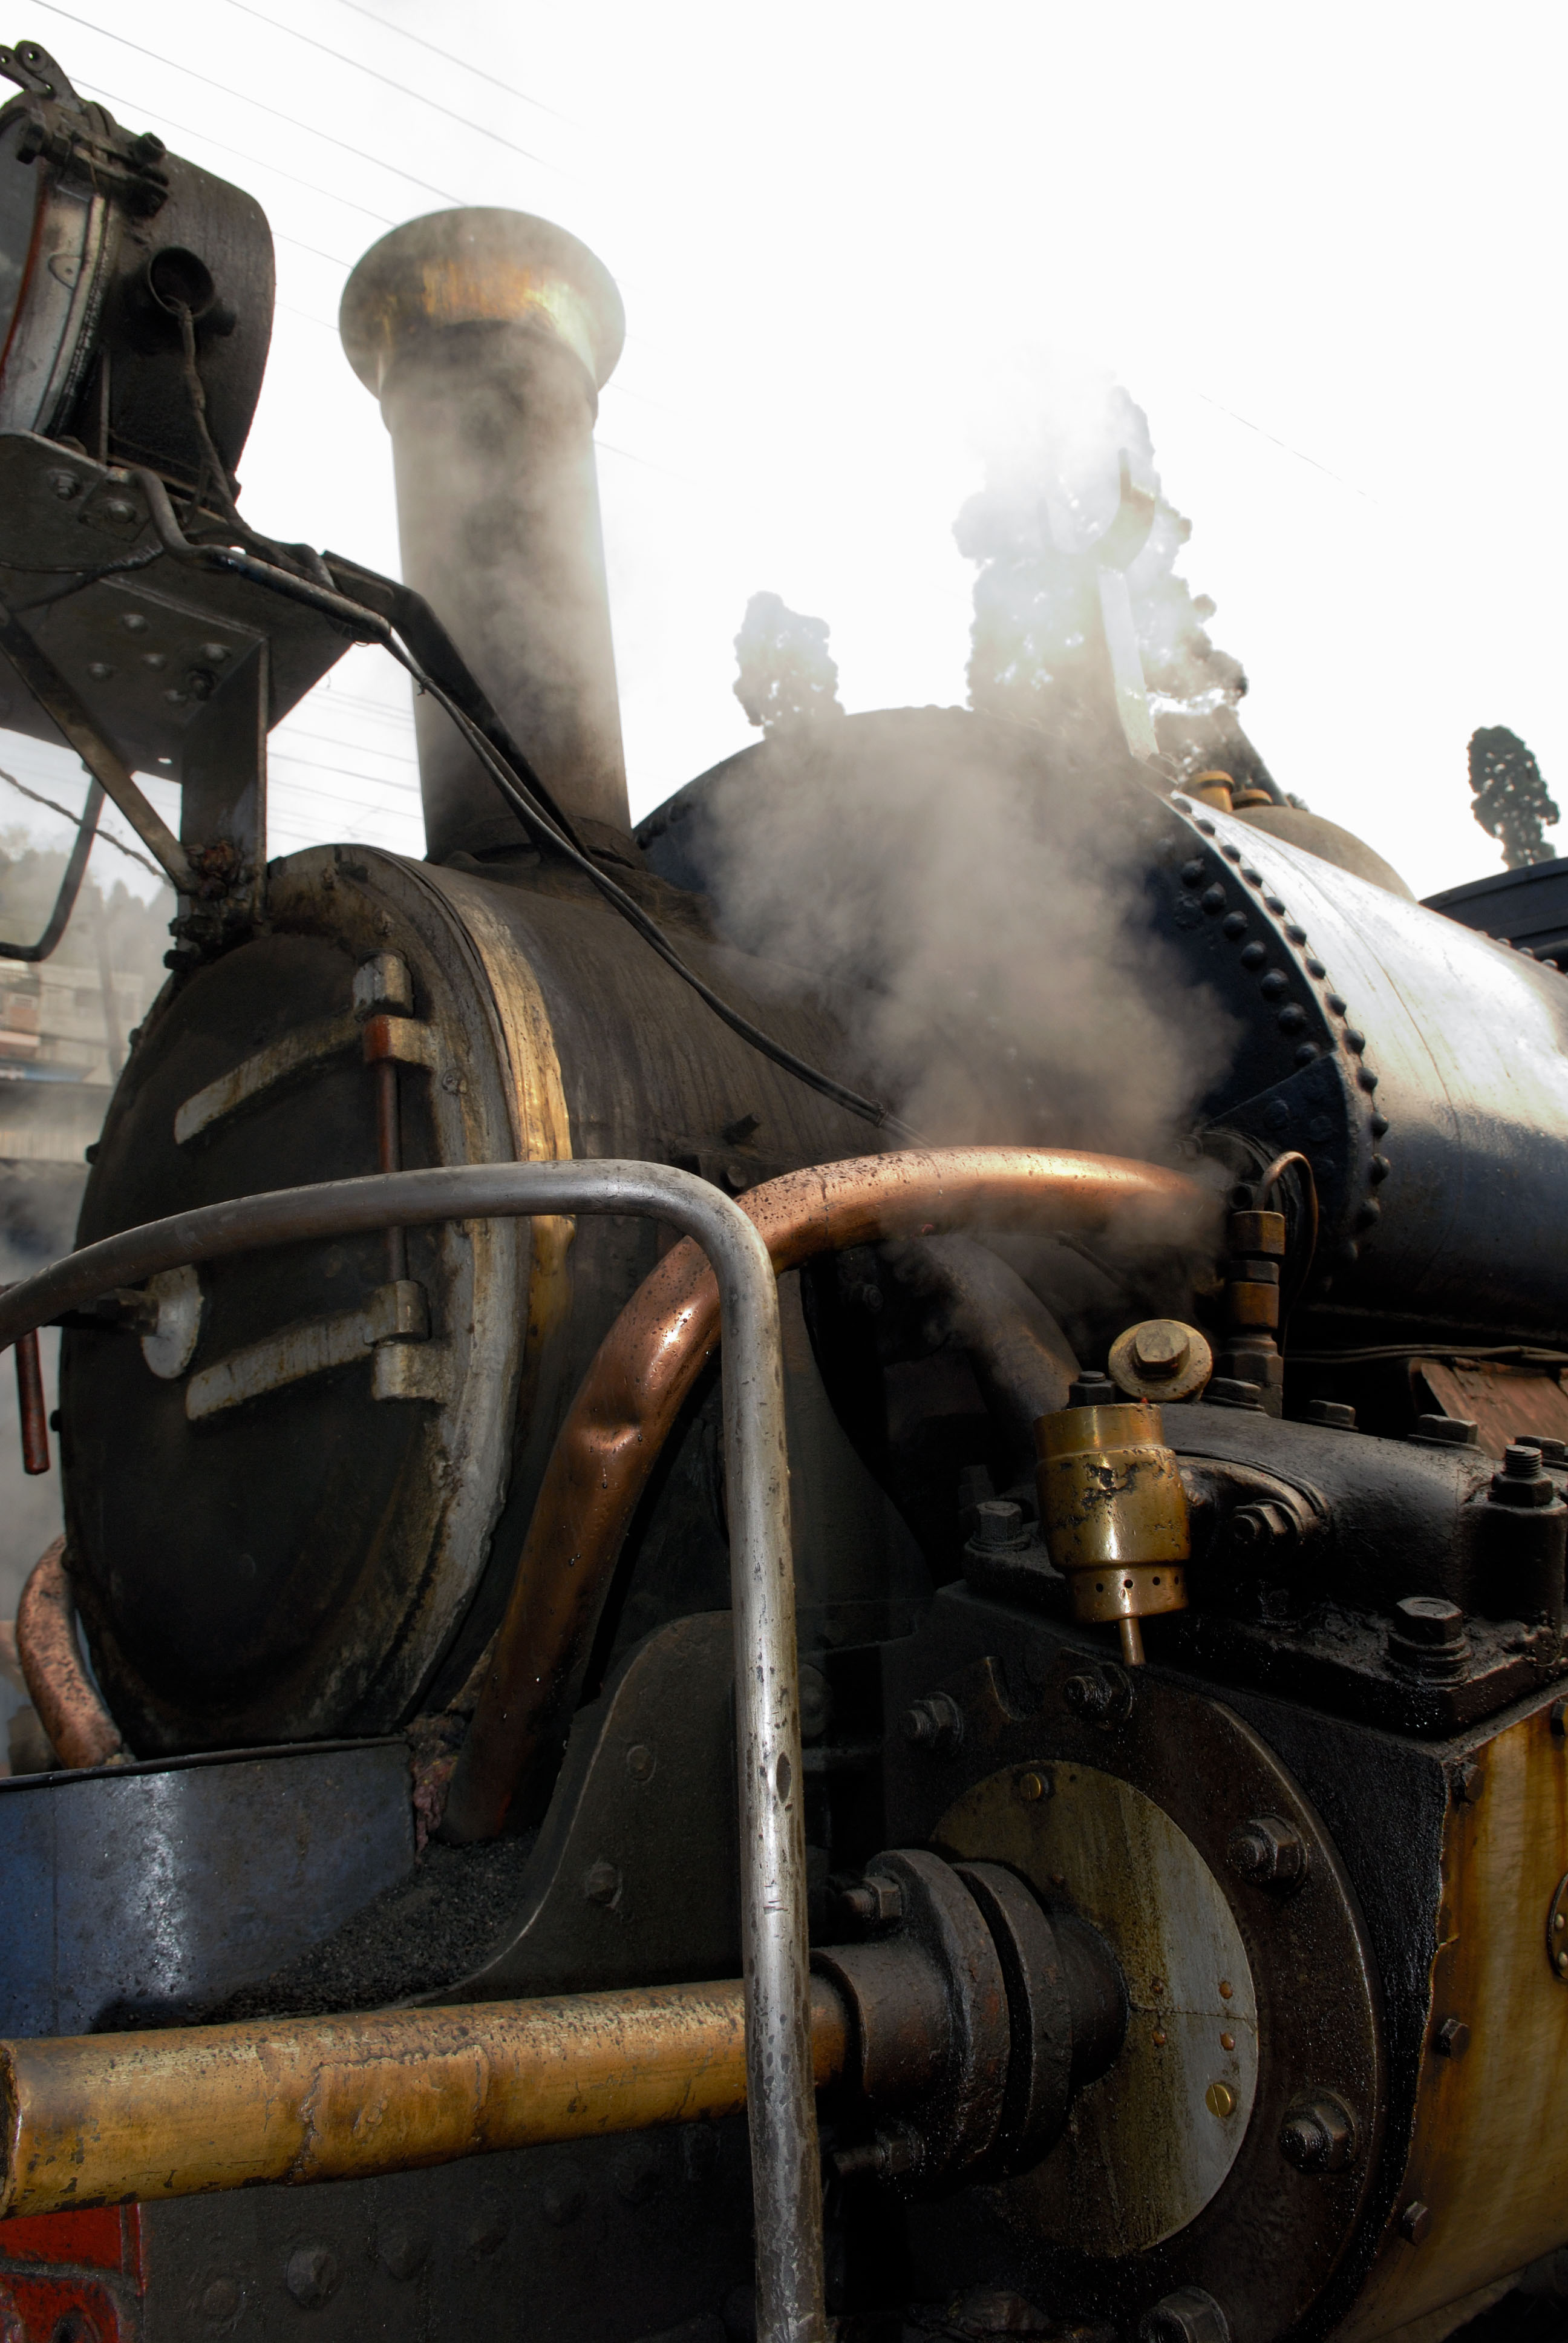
x: 645, y: 1368
x: 70, y: 1712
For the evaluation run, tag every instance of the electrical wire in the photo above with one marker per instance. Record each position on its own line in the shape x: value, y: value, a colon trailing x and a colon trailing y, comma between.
x: 527, y: 806
x: 386, y: 25
x: 261, y: 161
x: 75, y: 820
x: 465, y: 121
x: 244, y: 98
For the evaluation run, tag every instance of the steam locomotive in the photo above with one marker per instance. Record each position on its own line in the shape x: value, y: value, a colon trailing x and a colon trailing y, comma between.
x: 1157, y: 1857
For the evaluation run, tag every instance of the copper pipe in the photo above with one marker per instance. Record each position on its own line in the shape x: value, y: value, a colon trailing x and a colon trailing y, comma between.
x: 30, y: 1405
x: 69, y: 1709
x: 645, y: 1368
x: 98, y: 2119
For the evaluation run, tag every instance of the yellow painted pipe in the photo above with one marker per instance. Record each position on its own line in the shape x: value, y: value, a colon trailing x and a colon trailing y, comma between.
x: 109, y: 2116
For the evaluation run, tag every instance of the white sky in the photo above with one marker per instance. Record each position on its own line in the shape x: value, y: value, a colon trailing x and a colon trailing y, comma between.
x: 1321, y: 249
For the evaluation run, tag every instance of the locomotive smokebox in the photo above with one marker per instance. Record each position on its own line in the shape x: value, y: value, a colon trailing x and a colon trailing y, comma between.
x: 486, y: 336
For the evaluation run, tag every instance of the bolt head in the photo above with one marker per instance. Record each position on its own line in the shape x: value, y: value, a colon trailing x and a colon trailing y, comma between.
x: 1415, y: 2222
x: 1268, y: 1852
x: 1191, y: 2314
x: 1318, y: 2134
x: 1161, y: 1349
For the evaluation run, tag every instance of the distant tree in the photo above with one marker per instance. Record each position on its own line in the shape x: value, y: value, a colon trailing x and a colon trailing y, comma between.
x: 786, y: 675
x: 1512, y: 802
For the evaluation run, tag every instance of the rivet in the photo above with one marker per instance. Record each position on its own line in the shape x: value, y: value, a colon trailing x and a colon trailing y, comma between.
x: 562, y: 2201
x: 1159, y: 2038
x: 220, y: 2298
x: 311, y: 2275
x: 640, y: 1762
x: 1227, y: 2041
x: 1226, y: 1988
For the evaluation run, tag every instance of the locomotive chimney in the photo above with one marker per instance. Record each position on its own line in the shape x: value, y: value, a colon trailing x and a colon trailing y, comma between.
x: 486, y: 336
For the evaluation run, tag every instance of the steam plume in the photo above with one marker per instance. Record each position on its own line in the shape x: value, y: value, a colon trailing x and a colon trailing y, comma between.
x: 970, y: 888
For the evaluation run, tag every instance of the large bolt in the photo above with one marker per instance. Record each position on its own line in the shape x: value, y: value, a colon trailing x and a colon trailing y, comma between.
x: 1268, y: 1853
x: 1191, y: 2314
x: 1318, y: 2134
x: 1102, y: 1695
x: 869, y: 1903
x: 1522, y: 1482
x: 999, y: 1523
x: 935, y: 1723
x: 1428, y: 1636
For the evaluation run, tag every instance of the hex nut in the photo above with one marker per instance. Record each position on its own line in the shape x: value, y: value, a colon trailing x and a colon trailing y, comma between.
x: 870, y: 1903
x: 1415, y: 2222
x: 1318, y: 2134
x: 1191, y: 2314
x: 1452, y: 2039
x: 601, y: 1882
x: 935, y: 1725
x: 1268, y: 1852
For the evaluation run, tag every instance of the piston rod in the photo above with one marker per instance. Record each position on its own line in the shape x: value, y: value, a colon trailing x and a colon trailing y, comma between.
x: 782, y: 2113
x: 100, y: 2118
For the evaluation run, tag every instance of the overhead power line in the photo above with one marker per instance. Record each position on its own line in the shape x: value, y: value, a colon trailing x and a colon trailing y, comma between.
x: 76, y: 822
x: 358, y: 65
x: 221, y: 147
x: 242, y: 97
x: 386, y: 25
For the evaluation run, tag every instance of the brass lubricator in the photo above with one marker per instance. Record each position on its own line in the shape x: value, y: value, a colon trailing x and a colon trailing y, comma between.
x: 1112, y: 1509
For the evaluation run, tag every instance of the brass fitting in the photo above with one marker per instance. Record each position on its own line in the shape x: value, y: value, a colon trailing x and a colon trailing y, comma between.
x: 1160, y: 1359
x: 1256, y: 1244
x: 1114, y: 1514
x: 1211, y: 789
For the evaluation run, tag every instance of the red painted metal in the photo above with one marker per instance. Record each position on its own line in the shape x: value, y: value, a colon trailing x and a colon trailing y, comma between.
x: 76, y: 2275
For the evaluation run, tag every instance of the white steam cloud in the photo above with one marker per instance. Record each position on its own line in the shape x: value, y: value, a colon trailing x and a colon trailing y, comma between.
x: 969, y: 888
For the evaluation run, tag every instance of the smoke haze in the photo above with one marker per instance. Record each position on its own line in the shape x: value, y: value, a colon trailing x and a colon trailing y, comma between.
x: 969, y: 886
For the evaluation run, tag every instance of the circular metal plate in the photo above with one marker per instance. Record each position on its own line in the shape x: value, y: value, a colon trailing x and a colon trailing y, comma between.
x: 1184, y: 2087
x: 1262, y: 2237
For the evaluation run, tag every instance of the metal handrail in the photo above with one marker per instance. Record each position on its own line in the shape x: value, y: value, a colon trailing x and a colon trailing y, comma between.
x: 781, y: 2100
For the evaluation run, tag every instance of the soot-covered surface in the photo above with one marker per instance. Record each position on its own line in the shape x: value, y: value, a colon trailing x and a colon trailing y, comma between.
x: 429, y: 1929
